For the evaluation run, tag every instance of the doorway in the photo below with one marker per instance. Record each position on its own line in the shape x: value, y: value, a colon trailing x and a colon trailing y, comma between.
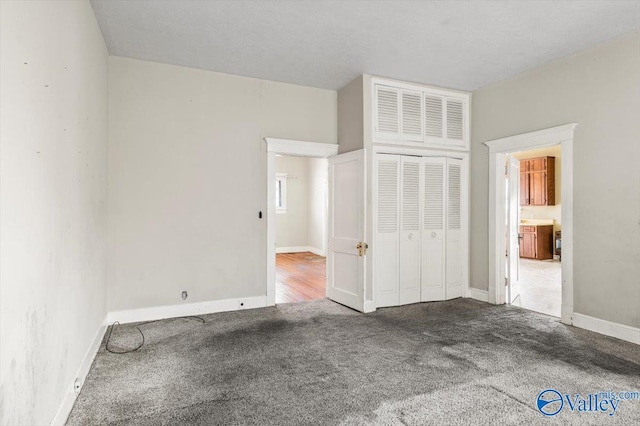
x: 301, y: 217
x: 499, y: 243
x: 297, y: 262
x: 534, y: 227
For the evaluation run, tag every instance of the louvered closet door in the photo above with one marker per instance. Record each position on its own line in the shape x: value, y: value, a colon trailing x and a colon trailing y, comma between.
x: 433, y: 229
x: 455, y: 119
x: 387, y: 250
x: 433, y: 118
x: 387, y: 112
x: 454, y: 225
x: 410, y: 197
x: 411, y: 113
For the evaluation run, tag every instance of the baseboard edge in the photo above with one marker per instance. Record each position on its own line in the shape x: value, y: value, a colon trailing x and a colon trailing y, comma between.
x: 477, y: 294
x: 608, y: 328
x: 71, y: 392
x: 300, y: 249
x: 198, y: 308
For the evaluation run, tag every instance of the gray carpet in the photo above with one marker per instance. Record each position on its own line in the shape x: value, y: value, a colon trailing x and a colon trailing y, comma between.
x: 457, y: 362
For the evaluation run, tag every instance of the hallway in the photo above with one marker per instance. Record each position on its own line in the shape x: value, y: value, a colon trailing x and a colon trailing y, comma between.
x: 300, y: 277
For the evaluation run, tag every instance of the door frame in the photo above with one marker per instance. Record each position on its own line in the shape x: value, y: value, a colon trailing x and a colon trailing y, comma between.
x: 292, y: 148
x: 559, y: 135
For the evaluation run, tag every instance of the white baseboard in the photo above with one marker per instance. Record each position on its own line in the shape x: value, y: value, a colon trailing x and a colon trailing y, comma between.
x: 300, y: 249
x: 71, y: 393
x: 608, y: 328
x: 368, y: 306
x: 481, y: 295
x: 186, y: 309
x: 316, y: 251
x: 296, y: 249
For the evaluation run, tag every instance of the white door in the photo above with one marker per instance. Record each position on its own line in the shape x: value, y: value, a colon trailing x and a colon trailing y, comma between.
x: 410, y: 196
x: 387, y: 249
x: 433, y: 230
x: 513, y: 220
x: 454, y: 244
x: 346, y: 244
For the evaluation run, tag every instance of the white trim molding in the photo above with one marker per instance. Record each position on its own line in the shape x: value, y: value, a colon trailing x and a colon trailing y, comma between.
x: 498, y: 149
x: 300, y: 249
x: 301, y: 148
x: 532, y: 140
x: 73, y: 388
x: 284, y: 147
x: 187, y: 309
x: 608, y: 328
x: 481, y: 295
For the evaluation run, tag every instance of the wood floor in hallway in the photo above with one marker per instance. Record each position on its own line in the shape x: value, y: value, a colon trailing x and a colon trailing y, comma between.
x: 300, y: 277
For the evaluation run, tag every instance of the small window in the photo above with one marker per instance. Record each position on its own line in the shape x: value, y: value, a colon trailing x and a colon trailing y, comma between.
x: 281, y: 192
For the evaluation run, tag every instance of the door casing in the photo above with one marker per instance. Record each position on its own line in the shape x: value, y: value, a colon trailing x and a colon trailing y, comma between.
x: 498, y: 148
x: 284, y: 147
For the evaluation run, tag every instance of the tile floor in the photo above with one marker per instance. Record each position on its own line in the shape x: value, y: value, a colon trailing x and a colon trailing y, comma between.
x: 540, y: 286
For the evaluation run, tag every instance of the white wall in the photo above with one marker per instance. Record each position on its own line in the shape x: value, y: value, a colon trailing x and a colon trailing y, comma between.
x: 187, y: 174
x: 600, y: 90
x: 318, y: 180
x: 303, y: 225
x: 53, y: 190
x: 292, y: 226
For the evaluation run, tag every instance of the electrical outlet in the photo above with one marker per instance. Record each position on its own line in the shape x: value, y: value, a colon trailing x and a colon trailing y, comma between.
x: 242, y: 304
x: 184, y: 295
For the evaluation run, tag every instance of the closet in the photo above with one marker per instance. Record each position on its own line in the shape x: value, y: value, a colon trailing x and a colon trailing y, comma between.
x: 418, y: 235
x: 399, y: 234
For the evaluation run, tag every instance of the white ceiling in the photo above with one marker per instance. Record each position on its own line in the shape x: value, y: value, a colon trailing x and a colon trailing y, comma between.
x: 456, y: 44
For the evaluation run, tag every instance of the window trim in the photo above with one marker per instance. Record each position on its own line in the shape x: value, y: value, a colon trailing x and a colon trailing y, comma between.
x: 282, y: 178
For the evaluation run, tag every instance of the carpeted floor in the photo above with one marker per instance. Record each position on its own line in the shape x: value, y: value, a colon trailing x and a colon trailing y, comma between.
x: 458, y: 362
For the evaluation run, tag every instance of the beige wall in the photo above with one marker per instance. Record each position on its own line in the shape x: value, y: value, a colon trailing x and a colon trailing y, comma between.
x: 292, y: 226
x: 303, y: 224
x: 600, y: 90
x: 318, y: 180
x: 546, y: 212
x: 351, y: 116
x: 53, y: 186
x: 187, y: 167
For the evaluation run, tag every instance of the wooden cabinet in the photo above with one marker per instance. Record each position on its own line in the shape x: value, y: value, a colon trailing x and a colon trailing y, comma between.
x: 538, y: 182
x: 536, y: 242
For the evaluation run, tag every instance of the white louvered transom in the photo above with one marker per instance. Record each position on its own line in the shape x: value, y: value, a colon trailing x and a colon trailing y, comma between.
x: 410, y: 196
x: 387, y: 196
x: 433, y: 116
x: 455, y: 119
x: 433, y: 196
x: 411, y: 114
x: 454, y: 198
x: 387, y: 110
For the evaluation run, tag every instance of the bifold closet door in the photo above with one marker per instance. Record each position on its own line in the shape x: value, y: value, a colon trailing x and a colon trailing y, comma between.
x: 454, y: 245
x: 387, y: 249
x: 410, y: 197
x: 433, y: 229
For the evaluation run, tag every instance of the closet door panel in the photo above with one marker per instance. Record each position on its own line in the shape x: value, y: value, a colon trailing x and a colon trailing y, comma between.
x: 410, y: 197
x: 454, y: 221
x: 386, y: 249
x: 433, y: 229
